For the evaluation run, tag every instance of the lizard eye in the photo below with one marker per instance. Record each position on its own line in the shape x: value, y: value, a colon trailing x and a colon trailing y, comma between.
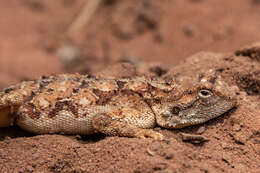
x: 204, y: 93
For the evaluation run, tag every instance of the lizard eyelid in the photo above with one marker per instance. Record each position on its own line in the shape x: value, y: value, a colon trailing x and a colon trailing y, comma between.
x: 204, y: 93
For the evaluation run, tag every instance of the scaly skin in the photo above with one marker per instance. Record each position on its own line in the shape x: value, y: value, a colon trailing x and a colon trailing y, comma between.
x: 80, y: 104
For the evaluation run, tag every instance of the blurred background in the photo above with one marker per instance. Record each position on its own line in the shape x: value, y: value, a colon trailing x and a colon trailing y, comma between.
x: 47, y: 37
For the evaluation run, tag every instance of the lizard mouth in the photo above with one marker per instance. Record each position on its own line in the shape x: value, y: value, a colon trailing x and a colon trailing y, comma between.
x: 199, y: 114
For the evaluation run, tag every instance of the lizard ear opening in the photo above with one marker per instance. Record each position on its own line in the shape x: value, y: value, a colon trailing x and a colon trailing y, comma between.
x: 175, y: 110
x: 166, y: 114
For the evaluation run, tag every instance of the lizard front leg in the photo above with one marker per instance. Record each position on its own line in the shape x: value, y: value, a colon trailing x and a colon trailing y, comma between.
x: 106, y: 124
x: 127, y: 114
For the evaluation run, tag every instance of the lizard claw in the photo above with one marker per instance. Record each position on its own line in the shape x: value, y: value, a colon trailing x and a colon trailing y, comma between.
x: 145, y: 133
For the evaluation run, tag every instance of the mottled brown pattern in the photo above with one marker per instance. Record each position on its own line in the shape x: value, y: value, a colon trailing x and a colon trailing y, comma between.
x: 32, y: 112
x: 83, y: 84
x: 8, y: 90
x: 31, y: 96
x: 120, y: 84
x: 43, y: 84
x: 104, y: 96
x: 63, y: 105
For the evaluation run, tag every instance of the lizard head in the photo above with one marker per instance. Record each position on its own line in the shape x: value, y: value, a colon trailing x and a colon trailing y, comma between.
x: 196, y: 104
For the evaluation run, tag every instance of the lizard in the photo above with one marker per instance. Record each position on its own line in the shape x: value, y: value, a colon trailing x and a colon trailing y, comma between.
x: 131, y: 107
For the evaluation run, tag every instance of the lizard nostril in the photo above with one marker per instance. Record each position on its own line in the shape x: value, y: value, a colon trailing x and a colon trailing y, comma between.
x: 175, y: 110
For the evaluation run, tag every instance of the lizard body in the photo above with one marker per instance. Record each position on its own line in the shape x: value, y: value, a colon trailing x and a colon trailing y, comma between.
x: 80, y: 104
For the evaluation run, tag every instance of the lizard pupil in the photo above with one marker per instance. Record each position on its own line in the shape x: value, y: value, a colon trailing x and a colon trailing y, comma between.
x: 204, y: 93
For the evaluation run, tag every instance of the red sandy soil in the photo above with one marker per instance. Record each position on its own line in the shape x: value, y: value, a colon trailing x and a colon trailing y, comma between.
x: 159, y: 32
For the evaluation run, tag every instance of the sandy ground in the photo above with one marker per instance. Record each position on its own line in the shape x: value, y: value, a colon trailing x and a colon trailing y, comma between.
x: 162, y: 33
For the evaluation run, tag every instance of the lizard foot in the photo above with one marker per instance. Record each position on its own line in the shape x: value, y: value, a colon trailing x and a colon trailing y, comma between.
x: 146, y: 133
